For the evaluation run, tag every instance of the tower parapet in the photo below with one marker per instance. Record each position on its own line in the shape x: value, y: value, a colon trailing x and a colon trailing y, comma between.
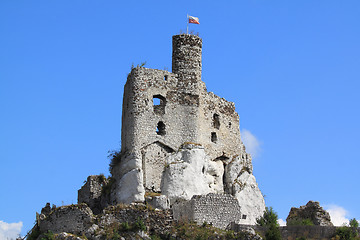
x: 186, y: 60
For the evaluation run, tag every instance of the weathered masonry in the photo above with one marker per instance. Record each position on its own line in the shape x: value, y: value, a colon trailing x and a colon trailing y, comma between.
x: 162, y: 110
x: 179, y: 140
x: 216, y: 209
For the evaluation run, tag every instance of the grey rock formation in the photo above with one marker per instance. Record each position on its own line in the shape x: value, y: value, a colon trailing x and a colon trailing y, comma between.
x: 67, y: 236
x: 312, y: 211
x: 92, y: 194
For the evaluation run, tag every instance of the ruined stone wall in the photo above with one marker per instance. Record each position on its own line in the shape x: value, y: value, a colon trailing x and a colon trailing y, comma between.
x: 92, y: 193
x: 218, y: 209
x: 163, y: 110
x: 75, y: 219
x: 219, y: 127
x: 157, y: 119
x: 294, y: 232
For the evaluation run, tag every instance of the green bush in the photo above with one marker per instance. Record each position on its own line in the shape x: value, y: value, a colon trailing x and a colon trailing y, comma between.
x: 300, y: 222
x: 49, y: 236
x: 344, y: 233
x: 348, y: 233
x: 354, y: 223
x: 273, y: 233
x: 115, y: 158
x: 124, y: 227
x: 139, y: 225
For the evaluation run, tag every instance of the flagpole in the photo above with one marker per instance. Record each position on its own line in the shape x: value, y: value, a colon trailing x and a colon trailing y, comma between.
x: 187, y: 24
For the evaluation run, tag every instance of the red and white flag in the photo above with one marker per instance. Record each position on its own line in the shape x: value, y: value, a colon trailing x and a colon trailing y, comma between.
x: 193, y: 20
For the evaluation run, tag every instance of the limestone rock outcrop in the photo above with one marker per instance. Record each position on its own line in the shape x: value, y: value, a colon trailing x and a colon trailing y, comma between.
x: 241, y: 183
x: 129, y: 178
x: 190, y: 172
x: 312, y: 211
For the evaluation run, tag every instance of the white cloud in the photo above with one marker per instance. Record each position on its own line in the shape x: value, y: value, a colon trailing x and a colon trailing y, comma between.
x: 252, y: 144
x: 10, y: 230
x: 281, y: 222
x: 338, y: 215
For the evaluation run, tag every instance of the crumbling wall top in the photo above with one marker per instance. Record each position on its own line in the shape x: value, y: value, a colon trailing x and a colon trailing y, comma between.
x: 187, y: 39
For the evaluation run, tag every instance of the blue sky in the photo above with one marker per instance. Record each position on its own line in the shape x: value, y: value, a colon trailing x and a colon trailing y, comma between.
x: 291, y: 67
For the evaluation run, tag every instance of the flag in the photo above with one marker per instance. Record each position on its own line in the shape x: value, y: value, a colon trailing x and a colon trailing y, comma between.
x: 193, y: 20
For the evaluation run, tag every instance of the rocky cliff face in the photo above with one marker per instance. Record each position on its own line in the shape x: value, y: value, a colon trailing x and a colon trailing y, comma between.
x: 312, y: 212
x: 190, y: 171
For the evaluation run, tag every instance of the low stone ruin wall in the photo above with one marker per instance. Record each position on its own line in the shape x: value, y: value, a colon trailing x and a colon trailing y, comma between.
x: 75, y: 219
x: 216, y: 209
x: 294, y: 232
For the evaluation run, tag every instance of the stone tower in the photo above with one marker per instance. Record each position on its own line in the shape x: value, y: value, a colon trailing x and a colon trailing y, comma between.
x: 164, y: 111
x: 186, y: 60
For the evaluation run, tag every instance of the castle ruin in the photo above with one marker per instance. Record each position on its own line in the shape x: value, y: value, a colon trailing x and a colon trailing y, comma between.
x: 179, y: 140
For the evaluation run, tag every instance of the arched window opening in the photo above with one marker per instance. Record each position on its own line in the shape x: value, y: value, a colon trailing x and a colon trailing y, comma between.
x: 214, y: 137
x: 160, y: 129
x: 159, y: 104
x: 216, y: 121
x: 165, y: 77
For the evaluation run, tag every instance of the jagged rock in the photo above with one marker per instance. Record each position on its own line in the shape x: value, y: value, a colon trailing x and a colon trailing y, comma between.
x: 92, y: 193
x: 128, y: 175
x: 92, y: 230
x: 250, y: 234
x: 159, y: 202
x: 46, y: 210
x: 240, y: 182
x: 189, y: 172
x: 311, y: 211
x: 66, y: 236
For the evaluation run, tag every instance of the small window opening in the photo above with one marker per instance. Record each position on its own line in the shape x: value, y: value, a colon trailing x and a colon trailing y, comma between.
x: 229, y: 124
x: 213, y: 137
x: 165, y: 77
x: 243, y: 216
x: 203, y: 169
x: 157, y: 101
x: 159, y: 104
x: 216, y: 121
x: 160, y: 129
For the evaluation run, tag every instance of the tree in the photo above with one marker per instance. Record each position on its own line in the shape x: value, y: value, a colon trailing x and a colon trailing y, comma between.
x: 269, y: 220
x: 348, y: 233
x: 354, y: 223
